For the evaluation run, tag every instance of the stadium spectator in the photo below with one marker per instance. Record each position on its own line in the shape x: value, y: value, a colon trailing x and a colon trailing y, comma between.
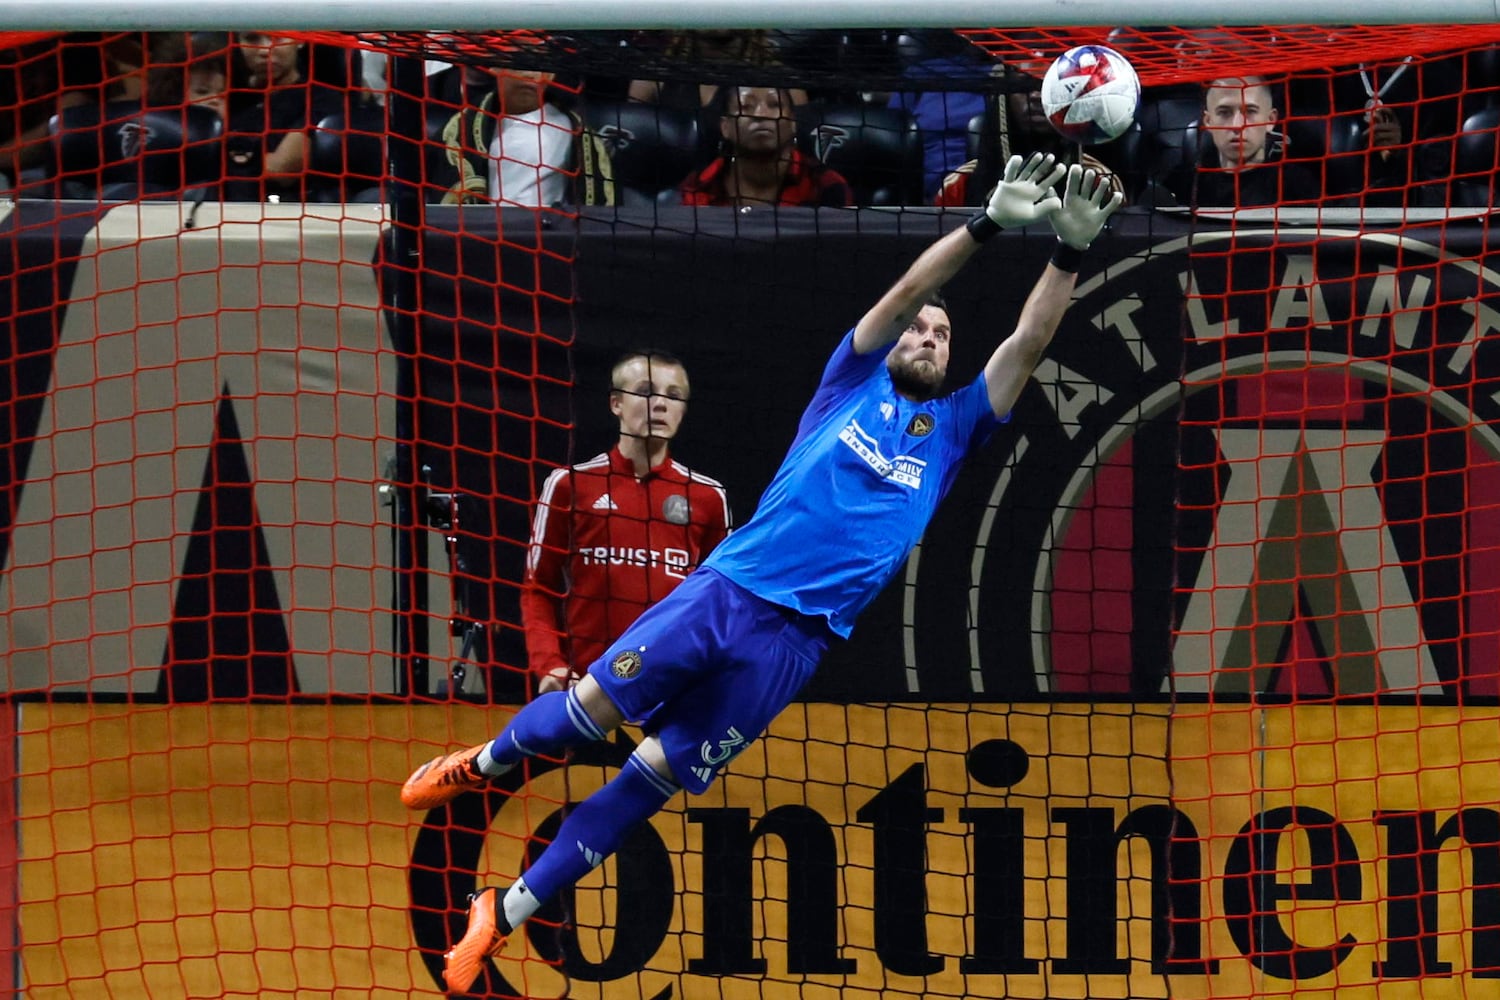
x: 1388, y: 163
x: 272, y: 106
x: 1244, y: 165
x: 942, y: 115
x: 614, y: 535
x: 1019, y: 126
x: 45, y: 78
x: 208, y: 86
x: 518, y: 148
x: 759, y: 162
x: 729, y: 47
x: 713, y: 663
x: 1410, y: 113
x: 374, y: 74
x: 191, y: 69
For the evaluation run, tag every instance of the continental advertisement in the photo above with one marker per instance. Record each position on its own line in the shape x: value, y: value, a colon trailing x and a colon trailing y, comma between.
x: 1018, y: 850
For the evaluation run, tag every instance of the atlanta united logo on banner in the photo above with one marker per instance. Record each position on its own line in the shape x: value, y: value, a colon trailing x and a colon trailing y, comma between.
x: 1266, y: 470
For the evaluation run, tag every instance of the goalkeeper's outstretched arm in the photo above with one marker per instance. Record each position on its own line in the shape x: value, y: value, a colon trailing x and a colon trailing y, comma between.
x: 1024, y: 195
x: 1087, y: 202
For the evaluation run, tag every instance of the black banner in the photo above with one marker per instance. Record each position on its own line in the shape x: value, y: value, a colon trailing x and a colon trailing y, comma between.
x: 1255, y: 459
x: 1064, y: 562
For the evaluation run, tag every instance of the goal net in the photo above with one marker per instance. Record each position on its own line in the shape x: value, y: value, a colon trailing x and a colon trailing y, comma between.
x: 1191, y: 688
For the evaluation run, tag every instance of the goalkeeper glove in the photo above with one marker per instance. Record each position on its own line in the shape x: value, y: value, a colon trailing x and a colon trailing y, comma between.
x: 1023, y: 195
x: 1088, y: 201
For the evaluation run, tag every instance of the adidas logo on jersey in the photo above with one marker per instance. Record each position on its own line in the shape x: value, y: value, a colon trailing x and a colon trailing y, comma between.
x: 590, y: 855
x: 705, y: 774
x: 605, y: 503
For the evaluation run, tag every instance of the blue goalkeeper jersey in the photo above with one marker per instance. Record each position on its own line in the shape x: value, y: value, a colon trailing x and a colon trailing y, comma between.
x: 855, y: 491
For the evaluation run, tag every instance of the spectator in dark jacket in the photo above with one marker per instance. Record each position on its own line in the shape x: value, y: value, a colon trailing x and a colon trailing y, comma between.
x: 1246, y: 166
x: 272, y: 106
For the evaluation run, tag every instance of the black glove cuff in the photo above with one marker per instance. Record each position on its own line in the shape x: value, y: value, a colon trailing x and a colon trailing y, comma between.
x: 1066, y: 258
x: 982, y: 227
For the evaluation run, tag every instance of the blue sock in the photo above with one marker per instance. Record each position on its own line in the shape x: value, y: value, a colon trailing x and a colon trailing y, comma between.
x: 597, y: 827
x: 549, y: 725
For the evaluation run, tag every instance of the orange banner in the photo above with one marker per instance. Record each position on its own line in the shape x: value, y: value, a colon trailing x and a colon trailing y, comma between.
x: 988, y: 851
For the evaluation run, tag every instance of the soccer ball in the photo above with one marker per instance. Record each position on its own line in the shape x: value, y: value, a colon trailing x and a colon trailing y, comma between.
x: 1091, y: 94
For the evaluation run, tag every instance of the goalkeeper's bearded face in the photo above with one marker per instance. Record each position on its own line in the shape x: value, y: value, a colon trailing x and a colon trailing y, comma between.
x: 919, y: 361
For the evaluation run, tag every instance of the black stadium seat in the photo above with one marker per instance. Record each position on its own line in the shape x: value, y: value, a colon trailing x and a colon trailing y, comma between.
x: 122, y: 151
x: 878, y: 150
x: 347, y: 160
x: 1334, y: 146
x: 1481, y: 79
x: 974, y: 136
x: 653, y: 148
x: 1166, y: 116
x: 1474, y: 160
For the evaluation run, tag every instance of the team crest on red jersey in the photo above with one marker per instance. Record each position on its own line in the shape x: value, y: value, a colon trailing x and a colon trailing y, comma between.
x: 675, y: 509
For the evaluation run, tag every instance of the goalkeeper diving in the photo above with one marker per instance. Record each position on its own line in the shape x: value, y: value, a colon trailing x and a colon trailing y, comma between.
x: 707, y: 668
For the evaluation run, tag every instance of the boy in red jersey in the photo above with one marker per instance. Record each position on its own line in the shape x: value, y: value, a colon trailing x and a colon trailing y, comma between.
x: 614, y: 535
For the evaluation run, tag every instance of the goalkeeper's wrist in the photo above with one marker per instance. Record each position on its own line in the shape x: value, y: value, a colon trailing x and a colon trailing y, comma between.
x: 981, y: 226
x: 1066, y: 257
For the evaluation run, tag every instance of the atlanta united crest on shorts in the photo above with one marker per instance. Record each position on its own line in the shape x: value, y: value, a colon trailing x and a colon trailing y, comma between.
x: 626, y: 664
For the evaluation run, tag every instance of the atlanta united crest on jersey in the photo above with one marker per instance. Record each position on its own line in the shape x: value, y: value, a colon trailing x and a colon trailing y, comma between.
x: 856, y: 490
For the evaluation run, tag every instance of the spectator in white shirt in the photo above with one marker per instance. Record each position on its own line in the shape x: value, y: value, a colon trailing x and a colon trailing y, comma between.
x: 516, y: 148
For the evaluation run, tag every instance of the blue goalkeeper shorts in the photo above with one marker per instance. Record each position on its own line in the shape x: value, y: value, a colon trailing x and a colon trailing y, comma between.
x: 707, y: 668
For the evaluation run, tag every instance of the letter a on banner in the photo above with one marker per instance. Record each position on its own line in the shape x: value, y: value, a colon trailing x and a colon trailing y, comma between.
x: 1302, y: 568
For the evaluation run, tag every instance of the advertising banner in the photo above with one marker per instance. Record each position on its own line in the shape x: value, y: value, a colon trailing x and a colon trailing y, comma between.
x: 952, y: 850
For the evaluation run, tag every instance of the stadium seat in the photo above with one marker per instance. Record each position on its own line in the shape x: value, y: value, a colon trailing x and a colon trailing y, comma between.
x: 347, y: 160
x: 1331, y: 146
x: 1482, y: 79
x: 1345, y: 142
x: 1474, y: 162
x: 1428, y: 96
x: 877, y: 150
x: 1164, y: 148
x: 129, y: 152
x: 807, y: 49
x: 974, y: 137
x: 653, y: 148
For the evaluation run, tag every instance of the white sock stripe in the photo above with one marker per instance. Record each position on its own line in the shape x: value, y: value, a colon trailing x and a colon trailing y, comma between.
x: 521, y: 748
x: 580, y: 718
x: 666, y: 787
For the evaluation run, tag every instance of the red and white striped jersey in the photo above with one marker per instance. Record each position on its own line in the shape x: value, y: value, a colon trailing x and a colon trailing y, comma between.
x: 606, y: 545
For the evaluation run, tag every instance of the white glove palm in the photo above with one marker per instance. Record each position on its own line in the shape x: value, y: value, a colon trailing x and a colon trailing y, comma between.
x: 1026, y: 193
x: 1087, y: 202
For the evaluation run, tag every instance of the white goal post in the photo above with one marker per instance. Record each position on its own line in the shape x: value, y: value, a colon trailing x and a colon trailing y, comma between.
x: 455, y: 15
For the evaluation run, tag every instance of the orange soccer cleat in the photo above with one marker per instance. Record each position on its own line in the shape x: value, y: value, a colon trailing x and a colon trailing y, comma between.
x: 443, y: 779
x: 462, y: 963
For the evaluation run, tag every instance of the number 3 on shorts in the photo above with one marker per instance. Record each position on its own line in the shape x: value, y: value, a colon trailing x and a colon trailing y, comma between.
x: 732, y: 744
